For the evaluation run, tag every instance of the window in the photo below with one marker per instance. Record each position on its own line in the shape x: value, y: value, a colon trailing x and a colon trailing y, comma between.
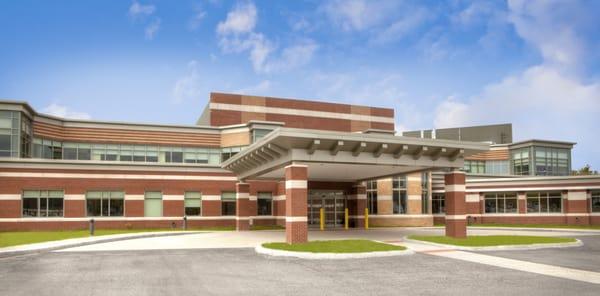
x: 47, y: 149
x: 425, y: 193
x: 153, y: 204
x: 9, y: 133
x: 520, y: 161
x: 544, y: 202
x: 437, y: 203
x: 105, y: 203
x: 595, y: 201
x: 474, y: 166
x: 399, y: 195
x: 227, y: 153
x: 228, y: 202
x: 502, y: 202
x: 43, y: 203
x: 193, y: 203
x: 552, y: 161
x: 265, y: 203
x: 497, y: 167
x: 26, y: 136
x: 258, y: 134
x: 372, y: 196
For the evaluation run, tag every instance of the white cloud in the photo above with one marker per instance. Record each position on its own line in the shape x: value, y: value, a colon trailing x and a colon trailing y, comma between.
x: 137, y: 10
x: 194, y: 22
x: 358, y: 15
x: 257, y: 89
x: 236, y: 35
x: 65, y: 112
x: 152, y: 29
x: 241, y: 19
x: 188, y: 86
x: 401, y: 27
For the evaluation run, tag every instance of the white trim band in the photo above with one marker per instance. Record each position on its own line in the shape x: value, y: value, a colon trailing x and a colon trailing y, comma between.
x: 455, y: 188
x: 299, y: 112
x: 296, y: 219
x: 242, y: 195
x: 384, y: 197
x: 413, y: 197
x: 456, y: 217
x: 74, y: 197
x: 471, y: 197
x: 296, y: 184
x: 211, y: 197
x: 10, y: 197
x: 173, y: 197
x: 134, y: 197
x: 279, y: 197
x: 115, y: 176
x: 577, y: 195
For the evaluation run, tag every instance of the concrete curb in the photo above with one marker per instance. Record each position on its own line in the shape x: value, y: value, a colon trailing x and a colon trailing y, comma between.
x: 475, y: 227
x: 576, y: 243
x: 77, y: 242
x: 329, y: 256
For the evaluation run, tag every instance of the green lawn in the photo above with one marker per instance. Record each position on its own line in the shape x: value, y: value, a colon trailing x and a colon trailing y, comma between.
x: 8, y: 239
x: 266, y: 227
x: 538, y: 226
x: 335, y: 246
x: 492, y: 240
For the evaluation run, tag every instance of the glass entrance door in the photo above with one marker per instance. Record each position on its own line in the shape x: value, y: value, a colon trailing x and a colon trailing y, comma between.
x: 334, y: 204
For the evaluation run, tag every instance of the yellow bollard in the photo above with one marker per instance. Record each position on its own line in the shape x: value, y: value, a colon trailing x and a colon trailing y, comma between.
x: 366, y: 218
x: 346, y: 219
x: 322, y: 218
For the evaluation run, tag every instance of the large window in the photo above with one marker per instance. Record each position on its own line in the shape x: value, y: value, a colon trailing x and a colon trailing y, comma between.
x: 425, y: 193
x: 258, y: 134
x: 544, y: 202
x: 26, y: 136
x: 229, y: 152
x: 372, y: 196
x: 193, y: 203
x: 9, y: 133
x: 502, y: 202
x: 49, y: 149
x: 596, y: 201
x: 399, y: 195
x: 437, y: 203
x: 264, y: 202
x: 474, y: 166
x: 228, y: 202
x: 520, y: 161
x: 105, y: 203
x: 497, y: 167
x: 153, y: 206
x: 43, y: 203
x: 552, y: 161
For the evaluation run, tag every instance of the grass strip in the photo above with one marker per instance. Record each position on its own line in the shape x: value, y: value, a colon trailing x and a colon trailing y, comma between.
x: 492, y: 240
x: 336, y: 246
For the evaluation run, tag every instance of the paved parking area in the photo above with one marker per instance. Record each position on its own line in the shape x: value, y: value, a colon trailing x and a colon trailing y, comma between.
x: 243, y: 272
x: 191, y: 264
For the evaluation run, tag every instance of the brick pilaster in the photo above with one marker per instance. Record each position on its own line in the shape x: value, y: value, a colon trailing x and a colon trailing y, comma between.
x: 296, y: 191
x: 357, y: 203
x: 242, y: 206
x: 456, y: 220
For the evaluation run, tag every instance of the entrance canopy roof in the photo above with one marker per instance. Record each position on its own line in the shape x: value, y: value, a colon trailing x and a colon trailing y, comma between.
x: 345, y: 156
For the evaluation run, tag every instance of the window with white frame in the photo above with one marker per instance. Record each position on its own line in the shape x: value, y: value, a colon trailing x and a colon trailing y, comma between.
x: 438, y: 203
x: 264, y: 203
x: 192, y: 203
x: 501, y: 202
x: 595, y: 201
x: 544, y: 202
x: 228, y: 203
x: 399, y: 203
x: 105, y: 203
x: 372, y: 196
x: 43, y: 203
x: 153, y: 206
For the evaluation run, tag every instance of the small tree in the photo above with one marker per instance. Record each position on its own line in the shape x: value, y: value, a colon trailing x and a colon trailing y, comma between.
x: 584, y: 171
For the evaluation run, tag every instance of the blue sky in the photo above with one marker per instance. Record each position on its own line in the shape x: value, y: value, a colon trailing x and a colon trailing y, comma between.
x: 438, y: 64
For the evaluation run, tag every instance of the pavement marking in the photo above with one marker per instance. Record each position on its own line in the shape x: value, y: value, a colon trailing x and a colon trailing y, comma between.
x: 538, y: 268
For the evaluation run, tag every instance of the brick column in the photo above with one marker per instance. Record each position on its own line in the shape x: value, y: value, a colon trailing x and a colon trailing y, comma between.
x: 522, y: 202
x: 456, y: 220
x: 577, y: 207
x: 296, y: 191
x: 357, y: 203
x: 242, y: 206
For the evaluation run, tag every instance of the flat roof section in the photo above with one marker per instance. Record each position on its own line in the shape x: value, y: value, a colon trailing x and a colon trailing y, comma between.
x: 345, y: 156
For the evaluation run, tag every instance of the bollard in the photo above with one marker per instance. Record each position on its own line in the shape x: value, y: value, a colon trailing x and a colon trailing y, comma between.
x: 366, y: 218
x: 346, y: 219
x: 184, y: 222
x: 92, y: 227
x: 322, y: 218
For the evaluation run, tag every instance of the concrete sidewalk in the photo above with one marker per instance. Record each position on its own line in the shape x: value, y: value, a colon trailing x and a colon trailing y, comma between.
x: 84, y: 241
